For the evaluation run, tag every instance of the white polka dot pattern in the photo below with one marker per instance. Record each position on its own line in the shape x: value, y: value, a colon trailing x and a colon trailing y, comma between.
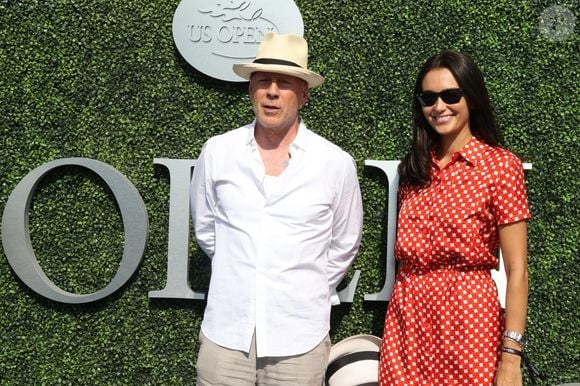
x: 444, y: 322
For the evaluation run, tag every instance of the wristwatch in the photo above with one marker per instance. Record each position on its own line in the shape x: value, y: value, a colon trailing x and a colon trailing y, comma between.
x: 520, y: 339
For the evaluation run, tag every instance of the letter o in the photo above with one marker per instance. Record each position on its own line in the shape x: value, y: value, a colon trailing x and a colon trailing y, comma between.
x: 229, y: 38
x: 16, y: 232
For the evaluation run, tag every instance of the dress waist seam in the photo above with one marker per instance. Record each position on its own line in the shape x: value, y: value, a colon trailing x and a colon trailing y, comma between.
x: 419, y: 270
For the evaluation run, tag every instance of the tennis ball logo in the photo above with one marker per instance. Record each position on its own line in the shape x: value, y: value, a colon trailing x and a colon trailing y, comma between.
x: 557, y: 22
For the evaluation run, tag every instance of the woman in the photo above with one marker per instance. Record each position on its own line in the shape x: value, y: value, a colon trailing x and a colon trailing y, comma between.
x: 461, y: 197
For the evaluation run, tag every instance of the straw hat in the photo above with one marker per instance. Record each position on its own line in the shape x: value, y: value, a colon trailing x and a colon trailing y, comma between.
x: 281, y: 54
x: 354, y: 361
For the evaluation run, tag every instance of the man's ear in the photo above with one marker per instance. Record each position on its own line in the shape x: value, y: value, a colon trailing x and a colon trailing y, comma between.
x: 305, y: 95
x: 250, y: 90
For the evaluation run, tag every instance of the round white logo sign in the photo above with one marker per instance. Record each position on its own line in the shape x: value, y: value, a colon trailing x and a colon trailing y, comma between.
x: 212, y: 36
x: 557, y: 22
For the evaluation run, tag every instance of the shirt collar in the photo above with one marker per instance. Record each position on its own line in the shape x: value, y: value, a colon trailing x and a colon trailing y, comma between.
x: 250, y: 140
x: 301, y: 137
x: 471, y: 152
x: 299, y: 142
x: 474, y: 150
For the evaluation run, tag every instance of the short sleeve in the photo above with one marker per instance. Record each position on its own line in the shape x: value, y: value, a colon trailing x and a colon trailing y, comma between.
x: 509, y: 202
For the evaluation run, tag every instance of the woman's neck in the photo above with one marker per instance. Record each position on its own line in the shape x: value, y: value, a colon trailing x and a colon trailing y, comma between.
x: 450, y: 145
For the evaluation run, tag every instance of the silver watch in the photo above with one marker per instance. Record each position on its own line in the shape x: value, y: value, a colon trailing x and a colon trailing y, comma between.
x: 520, y: 339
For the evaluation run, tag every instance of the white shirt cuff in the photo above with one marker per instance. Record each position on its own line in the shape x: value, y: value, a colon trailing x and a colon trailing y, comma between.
x: 334, y: 299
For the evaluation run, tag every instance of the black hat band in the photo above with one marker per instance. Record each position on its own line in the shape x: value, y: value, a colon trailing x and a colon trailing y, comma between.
x: 276, y: 61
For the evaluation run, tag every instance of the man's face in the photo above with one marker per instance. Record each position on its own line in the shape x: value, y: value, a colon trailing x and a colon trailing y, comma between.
x: 276, y: 99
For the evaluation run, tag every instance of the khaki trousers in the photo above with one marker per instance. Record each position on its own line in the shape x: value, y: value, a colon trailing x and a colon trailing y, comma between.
x: 219, y: 366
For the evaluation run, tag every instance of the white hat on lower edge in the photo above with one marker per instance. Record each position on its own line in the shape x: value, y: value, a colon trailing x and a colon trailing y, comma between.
x: 354, y: 361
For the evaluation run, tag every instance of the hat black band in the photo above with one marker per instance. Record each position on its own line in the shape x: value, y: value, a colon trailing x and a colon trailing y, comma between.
x: 276, y: 61
x: 348, y: 359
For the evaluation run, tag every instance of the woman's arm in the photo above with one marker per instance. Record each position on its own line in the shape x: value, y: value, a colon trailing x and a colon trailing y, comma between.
x: 514, y: 246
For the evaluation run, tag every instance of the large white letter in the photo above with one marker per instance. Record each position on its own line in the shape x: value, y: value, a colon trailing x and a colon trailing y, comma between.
x: 390, y: 169
x: 16, y: 236
x: 177, y: 286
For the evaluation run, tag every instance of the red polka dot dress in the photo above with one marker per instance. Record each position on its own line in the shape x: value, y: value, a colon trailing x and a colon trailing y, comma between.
x: 444, y: 323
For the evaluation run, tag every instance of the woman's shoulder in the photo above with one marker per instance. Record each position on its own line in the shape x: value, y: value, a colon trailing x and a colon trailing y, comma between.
x: 499, y: 156
x: 500, y: 165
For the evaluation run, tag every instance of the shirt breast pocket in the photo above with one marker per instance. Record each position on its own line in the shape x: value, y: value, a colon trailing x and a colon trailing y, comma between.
x: 461, y: 220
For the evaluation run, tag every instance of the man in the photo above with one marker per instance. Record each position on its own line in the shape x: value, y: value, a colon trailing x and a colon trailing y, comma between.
x: 278, y: 210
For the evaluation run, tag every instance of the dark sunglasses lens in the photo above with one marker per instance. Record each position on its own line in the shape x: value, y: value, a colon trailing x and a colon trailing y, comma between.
x: 451, y: 96
x: 427, y: 98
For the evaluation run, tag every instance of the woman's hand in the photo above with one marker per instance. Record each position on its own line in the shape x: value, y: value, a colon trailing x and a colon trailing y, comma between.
x: 509, y: 371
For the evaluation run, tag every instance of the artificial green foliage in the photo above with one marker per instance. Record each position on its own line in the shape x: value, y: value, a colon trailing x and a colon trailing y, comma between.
x: 102, y: 79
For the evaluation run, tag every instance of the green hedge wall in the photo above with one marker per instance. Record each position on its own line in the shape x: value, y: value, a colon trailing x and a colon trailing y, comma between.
x: 102, y: 79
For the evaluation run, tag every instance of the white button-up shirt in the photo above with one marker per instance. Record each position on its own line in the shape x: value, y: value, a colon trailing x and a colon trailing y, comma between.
x: 277, y: 255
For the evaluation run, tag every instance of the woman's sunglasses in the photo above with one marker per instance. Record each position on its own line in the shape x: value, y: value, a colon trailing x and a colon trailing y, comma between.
x: 449, y: 96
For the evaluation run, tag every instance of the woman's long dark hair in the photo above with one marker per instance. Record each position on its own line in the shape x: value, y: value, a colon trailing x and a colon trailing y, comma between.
x: 415, y: 168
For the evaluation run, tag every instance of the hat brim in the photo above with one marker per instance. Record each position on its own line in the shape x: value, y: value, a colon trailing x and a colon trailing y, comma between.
x: 354, y: 370
x: 245, y: 70
x: 358, y: 373
x: 353, y: 344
